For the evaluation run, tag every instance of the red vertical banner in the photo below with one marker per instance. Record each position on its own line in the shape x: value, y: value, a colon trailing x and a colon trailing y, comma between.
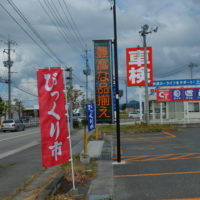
x: 53, y: 121
x: 135, y: 66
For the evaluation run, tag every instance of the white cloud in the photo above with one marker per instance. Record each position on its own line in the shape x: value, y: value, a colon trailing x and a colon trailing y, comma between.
x: 176, y: 44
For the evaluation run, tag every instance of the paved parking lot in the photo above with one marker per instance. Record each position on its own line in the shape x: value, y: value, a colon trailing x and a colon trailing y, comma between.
x: 159, y: 166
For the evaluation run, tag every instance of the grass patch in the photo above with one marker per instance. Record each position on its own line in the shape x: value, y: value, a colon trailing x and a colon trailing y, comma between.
x: 82, y: 172
x: 140, y: 128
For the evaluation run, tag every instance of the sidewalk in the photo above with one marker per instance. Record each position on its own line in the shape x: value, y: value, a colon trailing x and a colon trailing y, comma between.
x: 102, y: 186
x: 45, y: 182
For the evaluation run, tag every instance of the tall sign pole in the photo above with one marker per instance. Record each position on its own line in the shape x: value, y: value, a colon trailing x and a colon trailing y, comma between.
x: 144, y: 31
x: 146, y: 106
x: 117, y: 84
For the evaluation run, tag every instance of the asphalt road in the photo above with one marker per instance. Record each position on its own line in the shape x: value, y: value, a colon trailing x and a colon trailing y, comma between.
x: 20, y: 157
x: 159, y: 166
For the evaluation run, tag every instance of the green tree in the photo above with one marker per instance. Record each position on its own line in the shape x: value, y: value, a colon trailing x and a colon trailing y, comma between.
x: 18, y: 107
x: 2, y: 108
x: 2, y: 105
x: 123, y: 106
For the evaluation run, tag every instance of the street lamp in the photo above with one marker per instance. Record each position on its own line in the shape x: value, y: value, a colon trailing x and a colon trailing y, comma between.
x: 143, y: 32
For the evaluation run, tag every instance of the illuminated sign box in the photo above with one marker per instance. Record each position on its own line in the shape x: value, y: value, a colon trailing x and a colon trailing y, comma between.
x: 103, y: 80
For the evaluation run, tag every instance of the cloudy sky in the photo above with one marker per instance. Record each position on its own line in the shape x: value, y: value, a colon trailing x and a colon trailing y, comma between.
x: 56, y: 32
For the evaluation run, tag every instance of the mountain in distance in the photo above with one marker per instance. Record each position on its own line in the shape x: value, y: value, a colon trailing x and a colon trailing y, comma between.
x: 133, y: 104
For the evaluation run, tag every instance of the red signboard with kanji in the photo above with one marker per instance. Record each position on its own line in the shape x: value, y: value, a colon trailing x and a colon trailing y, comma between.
x: 103, y: 81
x: 53, y: 122
x: 135, y: 66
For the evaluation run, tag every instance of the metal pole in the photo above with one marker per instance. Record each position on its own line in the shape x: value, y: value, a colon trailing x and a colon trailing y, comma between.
x: 126, y: 94
x: 140, y: 100
x: 117, y: 85
x: 69, y: 138
x: 9, y: 82
x: 191, y: 65
x: 146, y: 79
x: 71, y: 100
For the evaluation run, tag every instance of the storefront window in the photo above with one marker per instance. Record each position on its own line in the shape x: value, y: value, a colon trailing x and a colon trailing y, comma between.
x: 193, y: 107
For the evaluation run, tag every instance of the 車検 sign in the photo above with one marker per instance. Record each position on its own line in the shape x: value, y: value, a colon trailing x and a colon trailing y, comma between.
x: 135, y: 66
x: 103, y: 81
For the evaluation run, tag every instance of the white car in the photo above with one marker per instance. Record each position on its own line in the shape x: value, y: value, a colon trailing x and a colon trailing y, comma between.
x: 134, y: 115
x: 12, y: 125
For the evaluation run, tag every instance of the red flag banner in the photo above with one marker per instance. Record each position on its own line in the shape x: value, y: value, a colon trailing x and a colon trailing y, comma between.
x: 53, y: 121
x: 135, y: 66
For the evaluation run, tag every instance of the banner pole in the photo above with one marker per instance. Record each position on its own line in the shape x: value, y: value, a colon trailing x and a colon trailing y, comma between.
x: 69, y: 137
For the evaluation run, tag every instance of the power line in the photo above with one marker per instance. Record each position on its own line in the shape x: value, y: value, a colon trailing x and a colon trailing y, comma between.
x: 17, y: 10
x: 35, y: 41
x: 59, y: 22
x: 25, y: 91
x: 174, y: 71
x: 60, y: 18
x: 77, y: 33
x: 55, y: 23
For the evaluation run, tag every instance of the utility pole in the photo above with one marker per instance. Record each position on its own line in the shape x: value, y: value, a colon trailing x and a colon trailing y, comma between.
x: 69, y: 82
x: 86, y: 72
x: 9, y: 64
x: 144, y: 31
x: 191, y: 66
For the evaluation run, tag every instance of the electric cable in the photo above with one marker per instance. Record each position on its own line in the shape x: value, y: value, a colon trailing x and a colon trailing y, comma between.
x: 35, y: 41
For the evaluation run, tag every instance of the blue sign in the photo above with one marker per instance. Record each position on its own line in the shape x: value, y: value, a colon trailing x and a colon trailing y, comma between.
x: 176, y: 82
x: 177, y: 94
x: 114, y: 97
x: 90, y: 116
x: 188, y: 94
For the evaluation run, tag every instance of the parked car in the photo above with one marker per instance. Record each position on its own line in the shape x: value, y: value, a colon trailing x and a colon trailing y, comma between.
x: 12, y: 125
x: 134, y: 114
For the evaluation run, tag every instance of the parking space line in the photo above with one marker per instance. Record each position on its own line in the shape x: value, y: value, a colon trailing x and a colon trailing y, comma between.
x: 156, y: 174
x: 168, y: 135
x: 158, y: 157
x: 195, y: 198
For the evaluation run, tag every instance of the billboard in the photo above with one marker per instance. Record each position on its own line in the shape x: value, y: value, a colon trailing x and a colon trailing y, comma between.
x: 135, y: 66
x: 178, y: 94
x: 103, y: 80
x: 53, y: 122
x: 180, y: 82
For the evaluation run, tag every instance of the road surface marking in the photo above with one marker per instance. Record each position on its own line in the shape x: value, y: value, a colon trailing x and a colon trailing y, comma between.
x: 157, y: 157
x: 197, y: 198
x: 9, y: 153
x: 155, y: 174
x: 16, y: 137
x: 169, y: 135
